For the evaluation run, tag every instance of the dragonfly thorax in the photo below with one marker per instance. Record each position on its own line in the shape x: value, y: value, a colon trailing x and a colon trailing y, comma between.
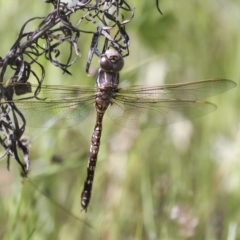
x: 107, y: 79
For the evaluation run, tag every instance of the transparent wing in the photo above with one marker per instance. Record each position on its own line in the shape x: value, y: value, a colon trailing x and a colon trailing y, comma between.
x: 54, y: 114
x: 190, y: 91
x: 152, y: 114
x: 161, y: 105
x: 56, y: 106
x: 64, y: 106
x: 53, y: 92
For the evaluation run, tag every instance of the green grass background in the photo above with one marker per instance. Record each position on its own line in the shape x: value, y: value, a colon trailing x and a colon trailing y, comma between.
x: 176, y: 182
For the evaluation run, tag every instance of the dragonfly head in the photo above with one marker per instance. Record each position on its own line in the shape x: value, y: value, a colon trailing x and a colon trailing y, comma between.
x: 111, y: 61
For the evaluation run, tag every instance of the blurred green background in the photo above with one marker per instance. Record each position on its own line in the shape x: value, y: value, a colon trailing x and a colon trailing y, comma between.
x: 176, y: 182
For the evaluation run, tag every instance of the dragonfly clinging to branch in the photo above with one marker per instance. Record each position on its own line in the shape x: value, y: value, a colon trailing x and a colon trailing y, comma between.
x: 131, y: 107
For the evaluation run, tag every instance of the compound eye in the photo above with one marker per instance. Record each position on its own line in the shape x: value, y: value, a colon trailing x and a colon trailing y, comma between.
x: 111, y: 61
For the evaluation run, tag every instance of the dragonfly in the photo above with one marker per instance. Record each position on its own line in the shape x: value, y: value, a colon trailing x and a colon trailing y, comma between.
x: 58, y: 106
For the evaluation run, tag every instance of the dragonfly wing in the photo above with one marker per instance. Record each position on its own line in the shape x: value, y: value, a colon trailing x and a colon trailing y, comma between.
x: 133, y: 114
x: 54, y: 114
x: 188, y: 91
x: 55, y: 106
x: 53, y: 92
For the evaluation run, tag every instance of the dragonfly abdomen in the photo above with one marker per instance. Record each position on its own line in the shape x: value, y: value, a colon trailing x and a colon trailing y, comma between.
x: 92, y: 161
